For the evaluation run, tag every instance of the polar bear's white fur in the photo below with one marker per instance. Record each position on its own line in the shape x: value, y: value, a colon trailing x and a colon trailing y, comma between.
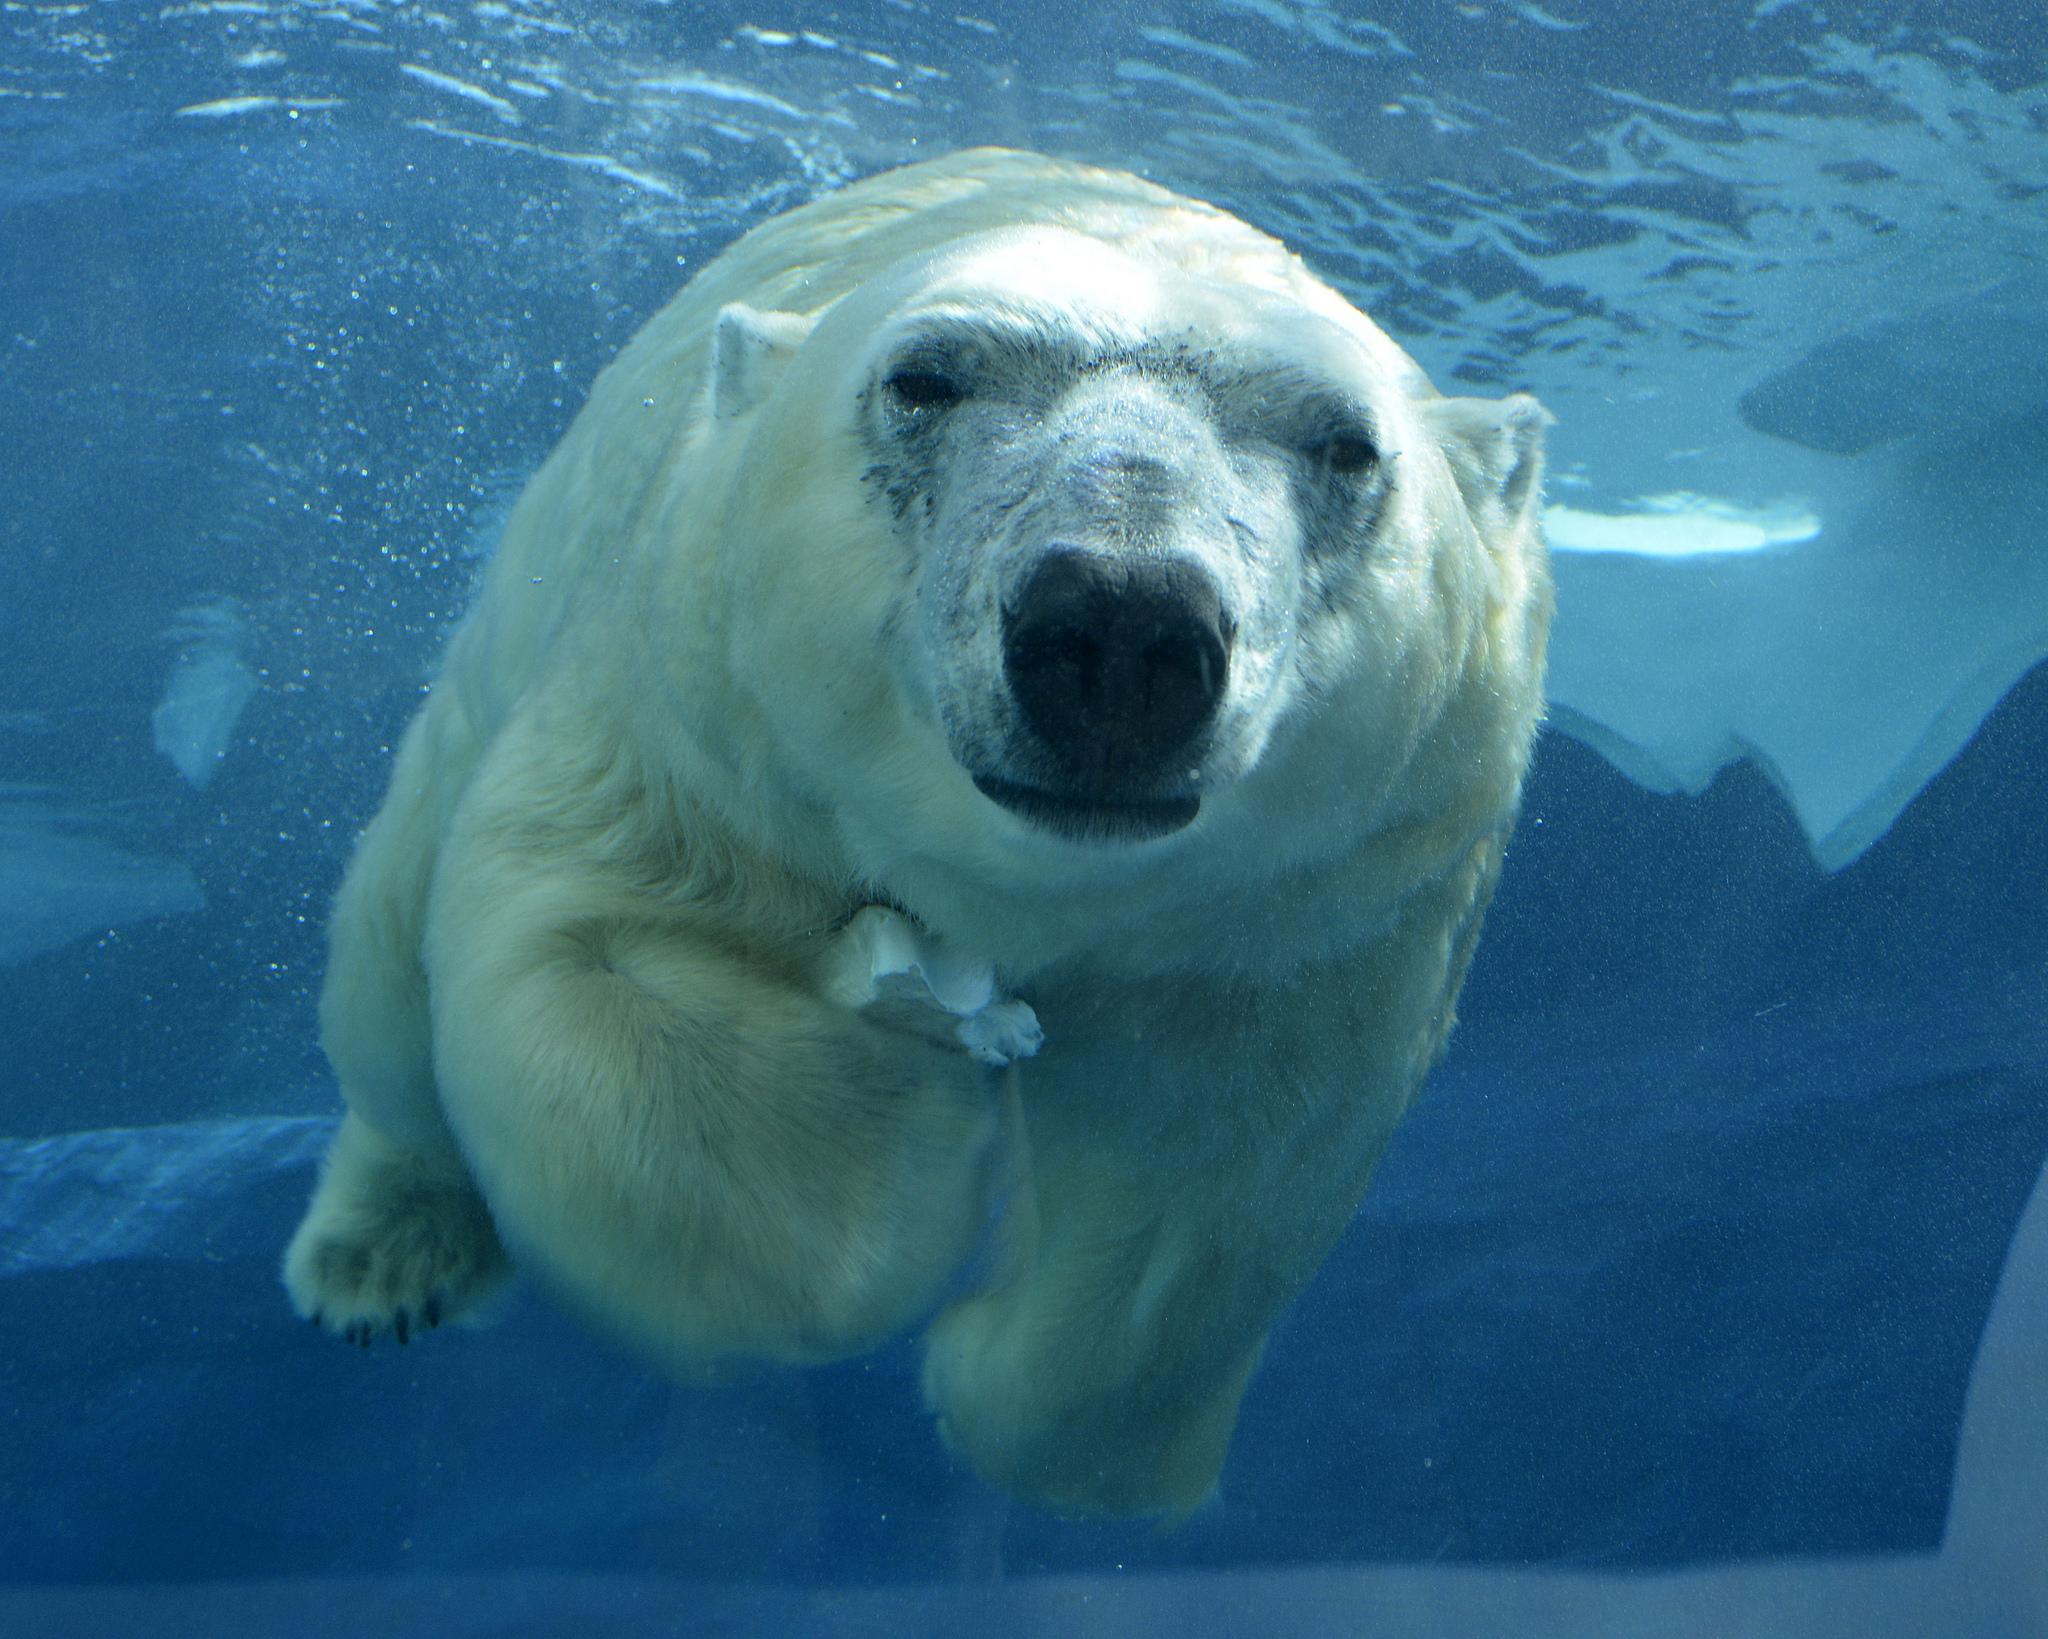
x: 771, y: 659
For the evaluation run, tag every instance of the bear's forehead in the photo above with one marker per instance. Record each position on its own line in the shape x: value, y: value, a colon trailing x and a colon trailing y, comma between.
x: 1060, y: 274
x: 1242, y: 292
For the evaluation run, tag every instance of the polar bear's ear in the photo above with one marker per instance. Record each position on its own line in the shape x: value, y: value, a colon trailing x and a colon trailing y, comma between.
x: 748, y: 351
x: 1495, y: 448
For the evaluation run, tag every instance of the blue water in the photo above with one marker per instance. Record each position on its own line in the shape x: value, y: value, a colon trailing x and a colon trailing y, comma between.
x: 1683, y: 1261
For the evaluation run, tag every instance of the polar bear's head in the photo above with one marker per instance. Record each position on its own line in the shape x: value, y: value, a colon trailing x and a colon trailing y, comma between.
x: 1119, y: 531
x: 1117, y: 487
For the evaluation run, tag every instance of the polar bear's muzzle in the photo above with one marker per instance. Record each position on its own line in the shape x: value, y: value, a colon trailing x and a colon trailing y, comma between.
x: 1117, y: 662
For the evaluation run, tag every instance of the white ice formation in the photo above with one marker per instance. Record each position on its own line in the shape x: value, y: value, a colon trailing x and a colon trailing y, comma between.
x: 209, y: 687
x: 57, y: 884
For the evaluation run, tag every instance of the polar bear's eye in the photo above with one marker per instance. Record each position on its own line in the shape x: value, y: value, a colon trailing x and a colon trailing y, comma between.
x: 1349, y: 453
x: 924, y: 389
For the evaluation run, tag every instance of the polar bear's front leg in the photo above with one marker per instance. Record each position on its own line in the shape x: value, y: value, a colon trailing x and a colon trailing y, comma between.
x: 676, y: 1114
x: 1106, y: 1379
x: 392, y: 1240
x: 707, y: 1154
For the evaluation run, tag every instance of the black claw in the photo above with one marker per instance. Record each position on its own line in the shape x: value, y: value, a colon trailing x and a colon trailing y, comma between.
x: 402, y: 1326
x: 433, y: 1310
x: 316, y: 1317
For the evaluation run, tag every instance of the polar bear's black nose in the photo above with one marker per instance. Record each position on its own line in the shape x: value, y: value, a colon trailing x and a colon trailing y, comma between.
x: 1116, y: 661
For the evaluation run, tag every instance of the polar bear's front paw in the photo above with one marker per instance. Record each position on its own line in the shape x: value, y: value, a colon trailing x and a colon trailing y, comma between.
x: 391, y: 1244
x: 891, y: 971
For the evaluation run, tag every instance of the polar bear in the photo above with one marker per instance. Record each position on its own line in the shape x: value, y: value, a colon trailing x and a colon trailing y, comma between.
x: 1000, y: 601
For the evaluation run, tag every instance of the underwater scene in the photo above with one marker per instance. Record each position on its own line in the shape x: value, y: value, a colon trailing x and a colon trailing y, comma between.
x: 782, y: 959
